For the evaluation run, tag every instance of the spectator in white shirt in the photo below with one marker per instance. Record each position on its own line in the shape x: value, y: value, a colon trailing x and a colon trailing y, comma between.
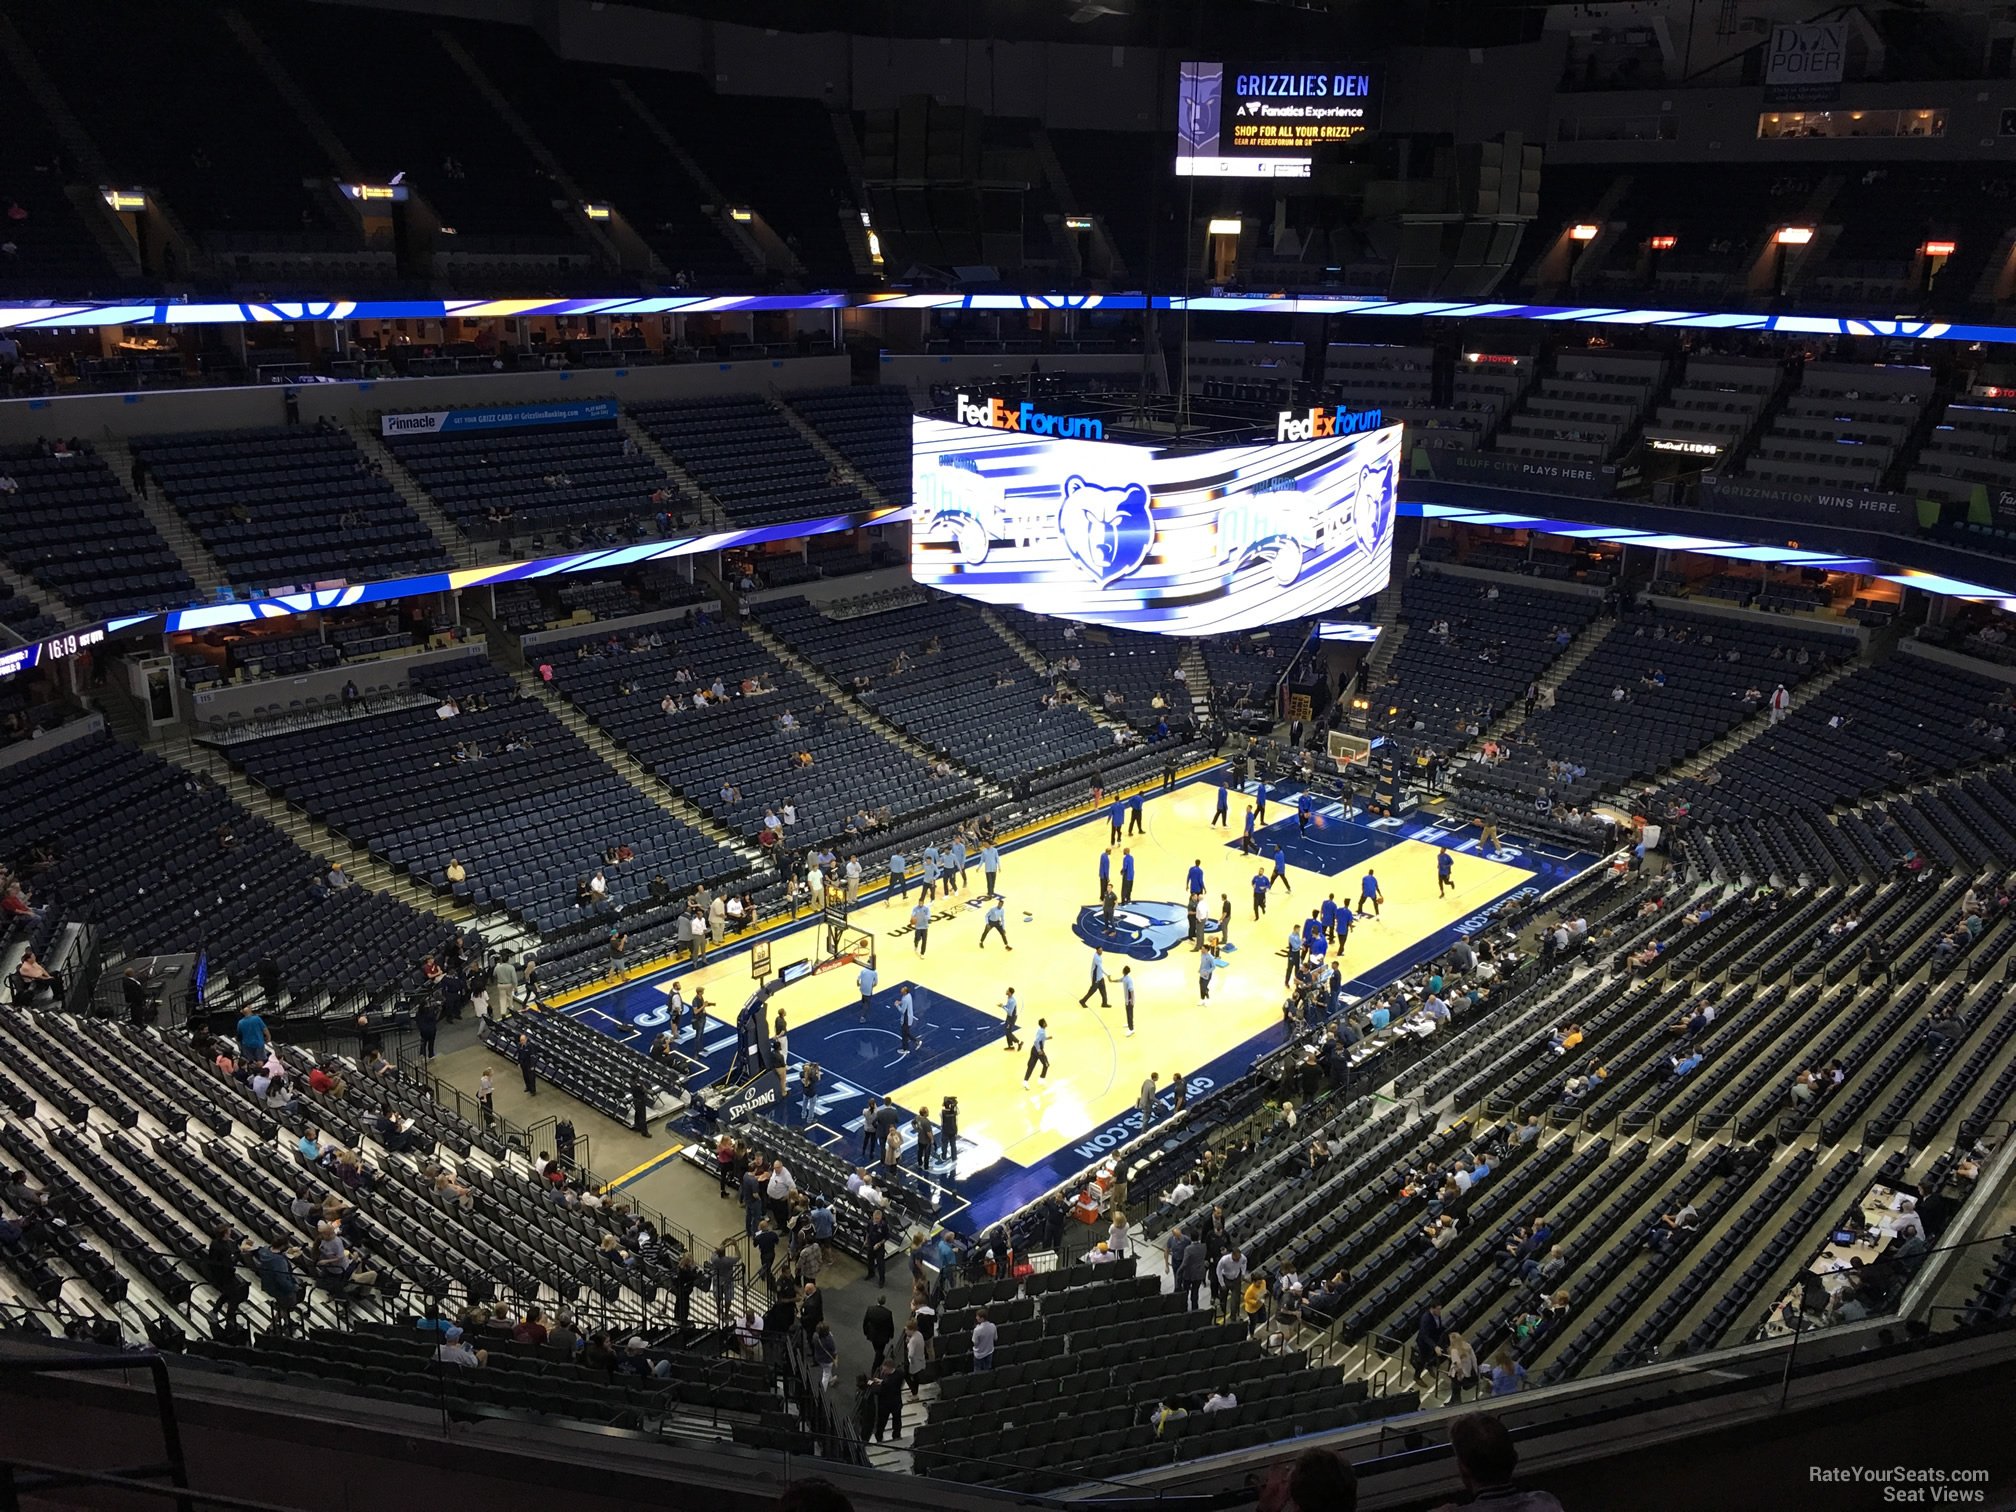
x: 1221, y: 1400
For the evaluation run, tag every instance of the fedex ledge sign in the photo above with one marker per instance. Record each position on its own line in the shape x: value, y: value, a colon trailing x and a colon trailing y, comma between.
x: 1315, y: 424
x: 992, y: 414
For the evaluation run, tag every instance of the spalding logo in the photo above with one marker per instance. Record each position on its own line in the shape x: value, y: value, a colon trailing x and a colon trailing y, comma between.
x: 1145, y: 931
x: 1107, y: 530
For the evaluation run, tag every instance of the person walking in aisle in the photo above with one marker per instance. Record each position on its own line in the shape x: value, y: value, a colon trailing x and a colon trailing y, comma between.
x: 1039, y: 1053
x: 486, y: 1097
x: 920, y: 928
x: 1445, y: 868
x: 528, y: 1063
x: 1127, y: 994
x: 1126, y: 876
x: 1368, y: 892
x: 1009, y: 1009
x: 990, y: 864
x: 503, y: 981
x: 997, y: 923
x: 1134, y: 826
x: 1098, y: 981
x: 1221, y: 814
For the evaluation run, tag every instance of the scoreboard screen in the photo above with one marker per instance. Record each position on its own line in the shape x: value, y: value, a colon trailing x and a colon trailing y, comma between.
x: 1145, y: 537
x: 1268, y: 120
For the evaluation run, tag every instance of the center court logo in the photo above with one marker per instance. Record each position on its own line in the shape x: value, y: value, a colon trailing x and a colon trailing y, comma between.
x: 1144, y: 931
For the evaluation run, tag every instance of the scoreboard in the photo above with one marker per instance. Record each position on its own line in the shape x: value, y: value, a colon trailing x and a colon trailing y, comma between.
x: 1268, y: 120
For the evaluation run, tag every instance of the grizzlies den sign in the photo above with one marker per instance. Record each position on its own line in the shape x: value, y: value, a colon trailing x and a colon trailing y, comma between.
x: 1150, y: 537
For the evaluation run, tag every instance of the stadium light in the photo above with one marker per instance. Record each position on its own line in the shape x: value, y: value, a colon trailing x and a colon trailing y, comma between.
x: 1793, y: 236
x: 1582, y: 233
x: 1224, y: 226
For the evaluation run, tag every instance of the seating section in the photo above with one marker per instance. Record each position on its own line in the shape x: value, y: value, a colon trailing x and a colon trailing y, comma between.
x: 441, y: 1219
x: 240, y: 191
x: 775, y: 155
x: 1468, y: 655
x: 52, y: 252
x: 1658, y: 689
x: 619, y: 155
x: 419, y: 113
x: 1586, y: 411
x: 1884, y: 727
x: 1078, y: 1372
x: 1122, y: 672
x: 548, y: 602
x: 71, y: 525
x: 1969, y: 450
x: 289, y: 505
x: 140, y: 853
x: 962, y: 690
x: 749, y: 458
x: 553, y: 478
x: 870, y: 427
x: 1718, y: 403
x: 739, y: 741
x: 529, y: 825
x: 1844, y: 425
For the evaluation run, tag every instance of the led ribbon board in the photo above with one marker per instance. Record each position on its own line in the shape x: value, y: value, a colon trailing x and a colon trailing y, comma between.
x: 1149, y: 538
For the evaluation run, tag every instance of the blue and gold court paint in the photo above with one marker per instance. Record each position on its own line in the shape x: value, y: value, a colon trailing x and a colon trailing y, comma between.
x: 1016, y: 1142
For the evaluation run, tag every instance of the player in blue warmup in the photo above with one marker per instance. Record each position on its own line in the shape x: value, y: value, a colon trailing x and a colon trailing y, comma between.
x: 1368, y: 893
x: 1127, y: 876
x: 1246, y: 843
x: 1280, y: 868
x: 1116, y: 816
x: 1196, y: 877
x: 1445, y: 867
x: 1259, y: 893
x: 1220, y: 814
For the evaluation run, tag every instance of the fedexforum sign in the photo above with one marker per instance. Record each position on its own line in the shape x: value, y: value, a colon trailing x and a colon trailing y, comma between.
x: 992, y: 414
x: 1315, y: 424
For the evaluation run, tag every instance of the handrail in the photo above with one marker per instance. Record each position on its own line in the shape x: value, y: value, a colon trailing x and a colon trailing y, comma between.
x: 175, y: 1466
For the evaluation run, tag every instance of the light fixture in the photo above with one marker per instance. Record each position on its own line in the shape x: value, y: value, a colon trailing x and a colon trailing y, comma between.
x: 125, y: 199
x: 1582, y: 233
x: 1664, y: 243
x: 596, y: 212
x: 1793, y: 236
x: 741, y: 215
x: 1224, y: 226
x: 1077, y: 223
x: 1938, y: 248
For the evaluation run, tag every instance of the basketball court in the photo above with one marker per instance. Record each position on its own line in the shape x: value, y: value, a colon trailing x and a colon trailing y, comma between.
x: 1016, y: 1142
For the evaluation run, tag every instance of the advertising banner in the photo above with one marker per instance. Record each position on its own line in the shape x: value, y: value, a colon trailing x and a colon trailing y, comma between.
x: 1866, y: 508
x: 450, y: 422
